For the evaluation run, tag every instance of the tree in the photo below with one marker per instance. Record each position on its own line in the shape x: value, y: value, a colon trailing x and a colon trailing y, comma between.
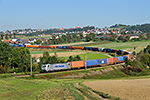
x: 141, y: 37
x: 39, y: 41
x: 4, y: 53
x: 70, y: 58
x: 25, y: 58
x: 10, y: 35
x: 112, y: 38
x: 2, y: 36
x: 148, y: 36
x: 81, y: 36
x: 14, y: 35
x: 6, y: 36
x: 121, y: 38
x: 92, y: 35
x: 88, y: 38
x: 127, y: 38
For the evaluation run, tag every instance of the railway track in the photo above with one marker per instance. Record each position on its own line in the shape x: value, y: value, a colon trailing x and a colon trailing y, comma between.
x: 71, y: 70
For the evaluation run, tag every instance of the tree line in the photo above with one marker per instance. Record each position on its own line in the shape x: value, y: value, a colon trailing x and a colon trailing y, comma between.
x: 11, y: 59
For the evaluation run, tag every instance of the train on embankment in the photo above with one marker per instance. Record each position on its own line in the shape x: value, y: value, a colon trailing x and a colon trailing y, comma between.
x: 81, y: 64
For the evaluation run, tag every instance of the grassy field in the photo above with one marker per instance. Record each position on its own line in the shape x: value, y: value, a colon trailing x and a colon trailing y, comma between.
x: 26, y: 37
x: 90, y: 56
x: 16, y: 89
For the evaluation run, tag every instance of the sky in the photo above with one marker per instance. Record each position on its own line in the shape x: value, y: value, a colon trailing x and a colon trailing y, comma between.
x: 45, y: 14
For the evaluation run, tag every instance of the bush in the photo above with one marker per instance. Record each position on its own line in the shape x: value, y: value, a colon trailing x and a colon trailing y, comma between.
x: 131, y: 70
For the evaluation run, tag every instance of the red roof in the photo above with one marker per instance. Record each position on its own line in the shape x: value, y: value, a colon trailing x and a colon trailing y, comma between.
x: 7, y: 41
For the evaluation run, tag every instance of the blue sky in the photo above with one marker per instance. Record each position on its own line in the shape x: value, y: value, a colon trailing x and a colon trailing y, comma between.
x: 43, y: 14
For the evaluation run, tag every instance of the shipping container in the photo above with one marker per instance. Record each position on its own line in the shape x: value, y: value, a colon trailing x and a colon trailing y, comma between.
x: 77, y: 64
x: 108, y: 50
x: 82, y: 48
x: 100, y: 49
x: 125, y: 53
x: 102, y: 61
x: 90, y: 48
x: 57, y: 46
x: 124, y: 57
x: 15, y: 45
x: 120, y: 59
x: 11, y: 45
x: 29, y: 46
x: 73, y: 47
x: 95, y: 49
x: 76, y: 47
x: 110, y: 60
x: 91, y: 62
x: 113, y: 50
x: 69, y: 47
x: 85, y: 48
x: 64, y: 47
x: 131, y: 55
x: 35, y: 46
x: 54, y: 46
x: 119, y: 52
x: 41, y: 46
x: 60, y: 47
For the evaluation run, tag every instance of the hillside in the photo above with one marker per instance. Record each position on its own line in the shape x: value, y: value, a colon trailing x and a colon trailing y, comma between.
x: 143, y: 27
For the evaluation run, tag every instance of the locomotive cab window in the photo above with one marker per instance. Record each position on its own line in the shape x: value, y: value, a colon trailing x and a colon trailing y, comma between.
x: 44, y: 66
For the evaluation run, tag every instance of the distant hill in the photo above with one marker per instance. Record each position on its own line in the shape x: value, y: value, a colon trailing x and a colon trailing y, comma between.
x: 143, y: 27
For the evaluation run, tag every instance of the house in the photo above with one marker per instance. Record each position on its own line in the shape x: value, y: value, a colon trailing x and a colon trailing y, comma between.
x: 32, y: 40
x: 134, y: 36
x: 14, y: 39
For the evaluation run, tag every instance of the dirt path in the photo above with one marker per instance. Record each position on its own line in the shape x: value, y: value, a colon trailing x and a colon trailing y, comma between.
x: 135, y: 89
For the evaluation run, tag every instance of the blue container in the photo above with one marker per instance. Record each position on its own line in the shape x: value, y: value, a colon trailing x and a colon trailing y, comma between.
x: 119, y: 52
x: 104, y: 49
x: 102, y: 61
x: 91, y: 62
x: 124, y: 57
x: 60, y: 47
x: 85, y: 48
x: 120, y: 58
x: 108, y: 50
x: 15, y: 45
x: 90, y: 48
x: 100, y: 49
x: 64, y: 47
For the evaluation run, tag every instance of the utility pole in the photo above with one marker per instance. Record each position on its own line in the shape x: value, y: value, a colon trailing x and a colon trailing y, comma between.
x: 85, y: 60
x: 31, y: 64
x: 115, y: 58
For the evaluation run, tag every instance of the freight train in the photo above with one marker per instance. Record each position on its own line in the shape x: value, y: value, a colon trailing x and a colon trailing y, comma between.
x: 80, y: 64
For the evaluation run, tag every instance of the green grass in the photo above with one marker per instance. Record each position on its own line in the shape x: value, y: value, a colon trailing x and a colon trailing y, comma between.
x: 16, y: 89
x: 90, y: 56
